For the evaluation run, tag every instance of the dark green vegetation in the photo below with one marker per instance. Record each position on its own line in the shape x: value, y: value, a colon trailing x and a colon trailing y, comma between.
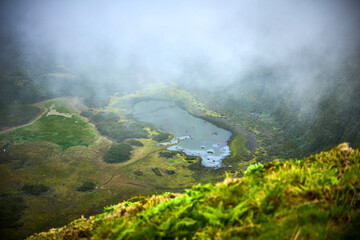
x: 313, y: 198
x: 18, y: 86
x: 107, y: 124
x: 161, y: 137
x: 11, y: 210
x: 35, y: 189
x: 167, y: 154
x: 134, y: 142
x: 287, y: 125
x: 157, y: 172
x: 17, y: 115
x: 170, y: 172
x: 86, y: 186
x: 118, y: 153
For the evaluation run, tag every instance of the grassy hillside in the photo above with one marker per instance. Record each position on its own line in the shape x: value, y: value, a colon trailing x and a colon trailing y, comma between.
x: 54, y: 169
x: 313, y: 198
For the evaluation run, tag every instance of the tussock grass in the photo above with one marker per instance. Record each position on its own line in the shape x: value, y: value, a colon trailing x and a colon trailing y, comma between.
x: 313, y: 198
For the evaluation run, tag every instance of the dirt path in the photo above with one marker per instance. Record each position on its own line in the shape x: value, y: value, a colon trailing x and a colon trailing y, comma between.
x: 72, y: 102
x: 43, y: 110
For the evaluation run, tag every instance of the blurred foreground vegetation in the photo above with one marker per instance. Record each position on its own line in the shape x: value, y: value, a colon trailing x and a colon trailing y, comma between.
x: 313, y: 198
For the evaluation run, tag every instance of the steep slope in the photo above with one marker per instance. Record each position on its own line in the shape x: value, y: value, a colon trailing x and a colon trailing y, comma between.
x: 313, y: 198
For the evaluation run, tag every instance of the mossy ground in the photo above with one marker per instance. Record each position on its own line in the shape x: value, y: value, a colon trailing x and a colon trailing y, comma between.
x: 313, y: 198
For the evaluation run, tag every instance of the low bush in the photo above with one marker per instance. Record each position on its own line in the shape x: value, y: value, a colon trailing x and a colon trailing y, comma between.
x: 105, y: 117
x: 135, y: 143
x: 170, y: 172
x: 138, y: 173
x: 157, y: 171
x: 86, y: 186
x: 118, y: 153
x: 161, y: 137
x: 255, y: 170
x: 167, y: 154
x: 86, y: 113
x: 35, y: 189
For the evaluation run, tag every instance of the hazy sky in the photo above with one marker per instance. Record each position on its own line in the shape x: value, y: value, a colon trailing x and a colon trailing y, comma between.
x: 210, y: 42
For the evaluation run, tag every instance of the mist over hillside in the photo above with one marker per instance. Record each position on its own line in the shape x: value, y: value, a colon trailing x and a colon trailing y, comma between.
x: 282, y: 76
x: 302, y: 53
x: 208, y: 43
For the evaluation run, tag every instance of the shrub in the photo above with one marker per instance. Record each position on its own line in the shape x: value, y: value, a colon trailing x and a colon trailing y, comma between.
x: 167, y: 154
x: 135, y: 143
x: 170, y: 172
x: 161, y: 137
x: 121, y: 131
x: 86, y: 186
x: 138, y: 173
x: 137, y: 199
x: 35, y: 189
x: 105, y: 117
x: 118, y: 153
x: 156, y: 171
x: 87, y: 113
x: 255, y: 170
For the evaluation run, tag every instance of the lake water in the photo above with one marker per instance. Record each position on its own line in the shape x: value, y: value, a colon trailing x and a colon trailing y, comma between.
x: 193, y: 136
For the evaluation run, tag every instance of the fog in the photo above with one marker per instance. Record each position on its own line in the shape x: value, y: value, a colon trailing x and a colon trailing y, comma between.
x: 203, y: 44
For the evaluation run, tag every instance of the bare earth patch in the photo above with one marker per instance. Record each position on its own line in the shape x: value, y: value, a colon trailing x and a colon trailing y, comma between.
x: 53, y: 111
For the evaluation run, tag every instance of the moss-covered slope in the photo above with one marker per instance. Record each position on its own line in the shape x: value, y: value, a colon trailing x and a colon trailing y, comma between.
x: 314, y: 198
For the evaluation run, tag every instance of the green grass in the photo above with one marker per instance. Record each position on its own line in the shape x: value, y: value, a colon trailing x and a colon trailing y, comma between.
x: 63, y: 131
x: 313, y: 198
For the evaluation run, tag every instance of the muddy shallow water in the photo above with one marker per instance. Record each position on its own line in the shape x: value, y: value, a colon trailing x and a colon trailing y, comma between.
x: 194, y: 136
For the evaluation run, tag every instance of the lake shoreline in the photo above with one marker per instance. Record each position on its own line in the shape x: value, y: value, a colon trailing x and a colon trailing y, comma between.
x: 223, y: 123
x: 199, y: 137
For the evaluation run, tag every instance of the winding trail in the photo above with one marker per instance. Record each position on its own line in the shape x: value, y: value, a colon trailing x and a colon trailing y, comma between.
x: 72, y: 103
x: 43, y: 110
